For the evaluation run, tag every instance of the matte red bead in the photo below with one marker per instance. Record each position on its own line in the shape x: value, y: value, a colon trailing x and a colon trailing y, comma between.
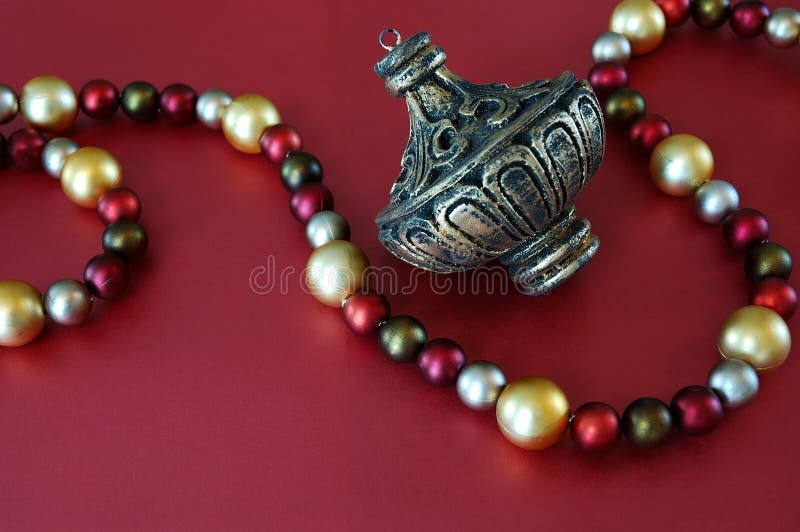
x: 595, y: 427
x: 607, y: 77
x: 775, y: 294
x: 365, y: 311
x: 696, y: 410
x: 107, y: 276
x: 99, y: 99
x: 440, y: 361
x: 647, y: 131
x: 119, y: 204
x: 280, y: 140
x: 309, y: 199
x: 748, y: 18
x: 25, y: 149
x: 676, y: 12
x: 744, y: 228
x: 178, y: 103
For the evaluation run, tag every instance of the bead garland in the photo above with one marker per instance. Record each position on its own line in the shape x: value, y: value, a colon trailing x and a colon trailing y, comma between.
x: 532, y: 412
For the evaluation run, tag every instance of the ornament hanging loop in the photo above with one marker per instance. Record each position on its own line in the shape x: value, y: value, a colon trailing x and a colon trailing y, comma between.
x: 397, y: 39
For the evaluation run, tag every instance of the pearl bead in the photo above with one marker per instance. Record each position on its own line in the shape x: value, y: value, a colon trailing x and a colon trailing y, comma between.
x: 401, y: 338
x: 310, y: 199
x: 696, y: 410
x: 280, y: 140
x: 68, y: 302
x: 99, y: 99
x: 647, y: 422
x: 532, y: 412
x: 88, y: 173
x: 647, y: 131
x: 21, y: 313
x: 605, y: 78
x: 326, y: 226
x: 300, y: 168
x: 107, y: 276
x: 611, y: 47
x: 211, y: 106
x: 139, y: 100
x: 680, y: 164
x: 747, y: 18
x: 710, y: 14
x: 676, y: 12
x: 624, y: 106
x: 364, y: 312
x: 125, y: 238
x: 744, y: 228
x: 479, y: 385
x: 756, y: 335
x: 48, y: 103
x: 177, y: 103
x: 782, y: 27
x: 55, y: 152
x: 714, y: 200
x: 735, y: 382
x: 642, y: 22
x: 245, y: 119
x: 334, y: 271
x: 775, y: 294
x: 440, y: 361
x: 24, y: 149
x: 119, y: 204
x: 767, y: 259
x: 595, y: 427
x: 9, y: 105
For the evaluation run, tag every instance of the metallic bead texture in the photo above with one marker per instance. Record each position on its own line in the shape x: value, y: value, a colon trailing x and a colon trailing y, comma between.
x: 775, y: 294
x: 611, y: 47
x: 680, y: 164
x: 756, y: 335
x: 88, y: 173
x: 696, y: 410
x: 714, y: 200
x: 177, y: 103
x: 68, y: 302
x: 744, y: 228
x: 642, y: 22
x: 139, y: 100
x: 607, y: 77
x: 595, y: 427
x: 280, y: 140
x: 245, y: 119
x: 300, y: 168
x: 710, y: 14
x: 676, y: 12
x: 748, y: 17
x: 9, y: 105
x: 624, y: 106
x: 734, y: 381
x: 119, y: 204
x: 334, y: 271
x: 532, y: 412
x: 49, y: 104
x: 326, y: 226
x: 55, y: 152
x: 767, y: 259
x: 647, y: 422
x: 310, y: 199
x: 782, y: 28
x: 125, y: 238
x: 647, y: 131
x: 364, y: 312
x: 211, y: 106
x: 479, y: 385
x: 21, y: 313
x: 401, y: 338
x: 24, y: 149
x: 107, y: 276
x: 99, y: 99
x: 440, y: 361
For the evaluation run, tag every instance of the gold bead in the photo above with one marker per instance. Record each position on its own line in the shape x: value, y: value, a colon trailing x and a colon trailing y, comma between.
x: 245, y: 119
x: 756, y: 335
x: 642, y: 22
x: 48, y: 103
x: 681, y: 163
x: 88, y: 173
x: 21, y: 313
x: 532, y: 412
x: 334, y: 271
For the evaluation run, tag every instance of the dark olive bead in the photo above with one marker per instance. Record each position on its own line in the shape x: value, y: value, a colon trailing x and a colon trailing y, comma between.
x: 125, y: 238
x: 710, y: 14
x: 300, y: 168
x: 401, y: 338
x: 767, y: 259
x: 647, y: 422
x: 624, y: 106
x: 139, y: 100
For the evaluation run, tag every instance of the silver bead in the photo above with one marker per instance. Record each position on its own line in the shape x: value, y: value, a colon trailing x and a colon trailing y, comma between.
x: 67, y: 302
x: 326, y: 226
x: 9, y: 105
x: 611, y: 46
x: 479, y: 385
x: 54, y: 154
x: 714, y: 200
x: 210, y: 106
x: 782, y: 27
x: 735, y: 382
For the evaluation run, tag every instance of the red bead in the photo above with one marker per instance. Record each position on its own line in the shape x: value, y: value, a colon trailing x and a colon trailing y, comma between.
x: 440, y: 361
x: 309, y: 199
x: 178, y: 102
x: 775, y: 294
x: 99, y: 99
x: 696, y: 410
x: 676, y: 12
x: 744, y: 228
x: 365, y: 311
x: 607, y: 77
x: 280, y: 140
x: 107, y: 276
x: 747, y: 18
x: 119, y: 204
x: 25, y: 149
x: 595, y: 427
x: 647, y: 131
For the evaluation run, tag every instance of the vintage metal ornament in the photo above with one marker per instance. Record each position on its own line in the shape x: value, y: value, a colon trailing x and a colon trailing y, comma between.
x: 490, y: 172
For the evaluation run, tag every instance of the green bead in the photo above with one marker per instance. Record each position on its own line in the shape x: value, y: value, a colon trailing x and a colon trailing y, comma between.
x: 300, y: 168
x: 767, y: 260
x: 623, y: 106
x: 647, y: 422
x: 710, y: 14
x: 125, y: 238
x: 401, y: 338
x: 139, y: 100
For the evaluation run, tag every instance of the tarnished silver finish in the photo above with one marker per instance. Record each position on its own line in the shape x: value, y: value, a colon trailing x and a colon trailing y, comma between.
x: 490, y: 172
x: 735, y: 381
x: 611, y: 46
x: 714, y: 200
x: 9, y: 104
x: 55, y: 152
x: 479, y: 385
x: 210, y: 106
x: 67, y: 302
x: 782, y: 28
x: 326, y: 226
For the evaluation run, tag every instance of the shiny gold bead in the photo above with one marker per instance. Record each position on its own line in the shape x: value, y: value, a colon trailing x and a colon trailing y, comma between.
x: 334, y: 271
x: 623, y: 106
x: 532, y: 412
x: 49, y: 104
x: 756, y: 335
x: 681, y: 163
x: 21, y: 313
x: 88, y: 173
x: 642, y: 22
x: 245, y: 119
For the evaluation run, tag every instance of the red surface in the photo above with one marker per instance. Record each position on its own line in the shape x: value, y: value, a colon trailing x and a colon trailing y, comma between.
x: 195, y: 404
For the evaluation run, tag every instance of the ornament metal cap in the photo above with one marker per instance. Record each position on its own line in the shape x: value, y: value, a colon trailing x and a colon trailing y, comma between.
x: 490, y: 172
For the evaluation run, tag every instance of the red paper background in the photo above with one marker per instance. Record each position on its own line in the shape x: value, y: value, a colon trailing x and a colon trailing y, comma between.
x: 195, y: 404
